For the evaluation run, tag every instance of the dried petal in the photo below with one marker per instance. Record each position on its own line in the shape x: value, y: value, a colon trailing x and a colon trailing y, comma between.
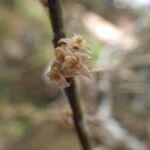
x: 84, y: 57
x: 85, y: 71
x: 63, y: 82
x: 64, y: 41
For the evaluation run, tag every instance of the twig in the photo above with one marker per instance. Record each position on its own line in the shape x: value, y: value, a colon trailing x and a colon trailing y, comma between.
x: 59, y: 32
x: 55, y: 13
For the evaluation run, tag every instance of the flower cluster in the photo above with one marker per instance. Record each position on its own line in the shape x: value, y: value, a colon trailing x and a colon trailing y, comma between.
x: 70, y: 58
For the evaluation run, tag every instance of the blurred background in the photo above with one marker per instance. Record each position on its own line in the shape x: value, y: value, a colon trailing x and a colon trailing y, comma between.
x: 34, y: 113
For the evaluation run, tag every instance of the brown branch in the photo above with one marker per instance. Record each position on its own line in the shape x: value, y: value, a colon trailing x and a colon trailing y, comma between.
x: 78, y: 115
x: 55, y: 13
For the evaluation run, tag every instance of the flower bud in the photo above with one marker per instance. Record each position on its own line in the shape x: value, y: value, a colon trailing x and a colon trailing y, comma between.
x: 53, y: 75
x: 77, y: 41
x: 59, y: 53
x: 71, y: 60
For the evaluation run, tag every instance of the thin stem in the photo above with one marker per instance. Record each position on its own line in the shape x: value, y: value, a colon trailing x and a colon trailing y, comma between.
x: 78, y: 117
x: 55, y: 13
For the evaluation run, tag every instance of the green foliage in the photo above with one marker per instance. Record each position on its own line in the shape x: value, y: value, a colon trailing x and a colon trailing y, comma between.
x: 34, y: 12
x: 95, y: 46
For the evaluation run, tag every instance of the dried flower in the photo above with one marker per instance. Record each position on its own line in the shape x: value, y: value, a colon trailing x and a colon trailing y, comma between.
x: 70, y: 58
